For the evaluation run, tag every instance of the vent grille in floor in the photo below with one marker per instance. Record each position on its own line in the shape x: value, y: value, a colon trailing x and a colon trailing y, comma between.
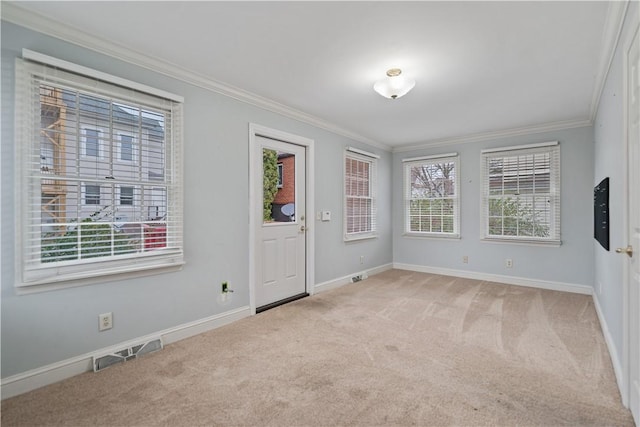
x: 104, y: 361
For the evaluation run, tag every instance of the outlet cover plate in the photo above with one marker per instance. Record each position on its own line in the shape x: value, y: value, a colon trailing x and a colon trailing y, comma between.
x: 105, y: 321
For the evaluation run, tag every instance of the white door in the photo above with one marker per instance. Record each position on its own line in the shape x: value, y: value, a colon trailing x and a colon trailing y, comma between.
x: 631, y: 252
x: 281, y: 229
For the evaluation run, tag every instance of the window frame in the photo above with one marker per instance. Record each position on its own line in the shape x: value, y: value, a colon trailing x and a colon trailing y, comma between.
x: 33, y: 273
x: 408, y: 164
x: 372, y: 161
x: 83, y: 142
x: 134, y: 151
x: 280, y: 167
x: 85, y: 194
x: 553, y: 196
x: 120, y: 196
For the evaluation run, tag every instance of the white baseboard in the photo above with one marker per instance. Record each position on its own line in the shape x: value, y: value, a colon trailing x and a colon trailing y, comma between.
x: 49, y: 374
x: 509, y: 280
x: 613, y: 352
x: 344, y: 280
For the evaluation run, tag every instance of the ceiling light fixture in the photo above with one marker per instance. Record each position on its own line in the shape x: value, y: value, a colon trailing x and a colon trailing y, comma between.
x: 394, y: 85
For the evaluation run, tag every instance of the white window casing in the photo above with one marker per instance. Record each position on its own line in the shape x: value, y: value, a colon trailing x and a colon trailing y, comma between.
x: 61, y: 240
x: 432, y: 196
x: 521, y: 194
x: 360, y: 192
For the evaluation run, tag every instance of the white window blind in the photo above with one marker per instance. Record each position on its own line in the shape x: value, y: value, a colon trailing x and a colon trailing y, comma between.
x: 521, y: 194
x: 359, y: 196
x: 100, y: 172
x: 432, y: 197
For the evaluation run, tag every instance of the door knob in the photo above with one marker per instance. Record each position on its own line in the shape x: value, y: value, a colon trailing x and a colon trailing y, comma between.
x: 303, y: 228
x: 628, y: 250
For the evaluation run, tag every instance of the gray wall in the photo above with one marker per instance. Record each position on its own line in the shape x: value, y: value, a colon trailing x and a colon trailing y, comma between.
x: 569, y: 263
x: 610, y: 149
x: 43, y: 328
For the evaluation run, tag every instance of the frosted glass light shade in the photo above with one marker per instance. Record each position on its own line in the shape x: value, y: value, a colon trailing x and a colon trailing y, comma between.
x: 394, y: 85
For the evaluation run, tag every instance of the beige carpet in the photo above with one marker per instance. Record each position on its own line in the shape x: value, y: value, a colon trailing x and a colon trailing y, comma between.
x: 399, y: 348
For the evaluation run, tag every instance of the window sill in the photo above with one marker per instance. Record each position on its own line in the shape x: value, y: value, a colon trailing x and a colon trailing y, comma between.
x: 355, y: 238
x: 525, y: 242
x: 82, y: 278
x: 443, y: 236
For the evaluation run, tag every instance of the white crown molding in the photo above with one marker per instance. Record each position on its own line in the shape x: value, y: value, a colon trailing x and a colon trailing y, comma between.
x: 36, y: 22
x: 611, y: 33
x: 486, y: 136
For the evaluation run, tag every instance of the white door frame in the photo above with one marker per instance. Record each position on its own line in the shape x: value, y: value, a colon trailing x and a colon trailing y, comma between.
x: 259, y: 130
x: 627, y: 305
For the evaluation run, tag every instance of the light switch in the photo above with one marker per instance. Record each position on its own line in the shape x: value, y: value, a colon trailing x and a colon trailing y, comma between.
x: 326, y: 215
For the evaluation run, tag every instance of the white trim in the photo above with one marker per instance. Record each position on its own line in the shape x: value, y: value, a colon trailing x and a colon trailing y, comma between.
x: 58, y: 371
x: 99, y: 75
x: 365, y: 235
x: 345, y: 280
x: 364, y: 153
x: 498, y: 278
x: 616, y: 13
x: 488, y: 136
x: 435, y: 156
x: 45, y: 25
x: 309, y: 144
x: 519, y: 147
x: 626, y: 385
x: 613, y: 351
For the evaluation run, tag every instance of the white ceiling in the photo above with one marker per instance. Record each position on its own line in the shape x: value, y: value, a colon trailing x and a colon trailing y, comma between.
x: 479, y: 66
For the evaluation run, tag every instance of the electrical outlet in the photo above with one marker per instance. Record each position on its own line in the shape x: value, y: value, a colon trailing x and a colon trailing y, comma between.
x: 361, y: 259
x: 465, y: 259
x: 225, y: 287
x: 105, y: 321
x: 508, y: 263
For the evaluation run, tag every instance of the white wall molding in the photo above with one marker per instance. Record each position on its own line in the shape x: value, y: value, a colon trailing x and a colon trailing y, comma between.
x: 613, y: 351
x: 345, y: 280
x: 49, y: 374
x: 611, y: 33
x: 498, y: 278
x: 36, y: 22
x: 505, y: 133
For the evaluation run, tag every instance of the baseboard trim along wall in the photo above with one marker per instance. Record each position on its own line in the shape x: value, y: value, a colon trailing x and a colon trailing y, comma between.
x: 49, y: 374
x: 613, y: 352
x: 55, y: 372
x: 498, y: 278
x: 344, y: 280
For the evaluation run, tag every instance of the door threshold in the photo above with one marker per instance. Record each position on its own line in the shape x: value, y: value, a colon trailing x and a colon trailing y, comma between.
x: 281, y: 302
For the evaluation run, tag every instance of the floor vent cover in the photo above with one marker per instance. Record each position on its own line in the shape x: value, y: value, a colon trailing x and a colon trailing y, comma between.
x: 106, y: 360
x: 359, y: 277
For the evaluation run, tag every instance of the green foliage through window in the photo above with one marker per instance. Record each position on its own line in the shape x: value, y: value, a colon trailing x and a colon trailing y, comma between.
x: 515, y: 216
x: 88, y: 239
x: 269, y: 181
